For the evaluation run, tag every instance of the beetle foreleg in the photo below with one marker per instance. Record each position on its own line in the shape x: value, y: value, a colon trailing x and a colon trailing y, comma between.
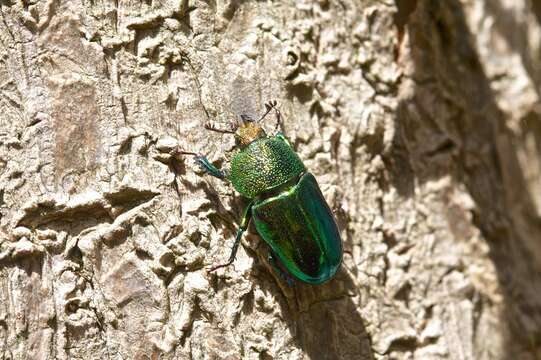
x: 206, y: 165
x: 242, y: 228
x: 210, y: 169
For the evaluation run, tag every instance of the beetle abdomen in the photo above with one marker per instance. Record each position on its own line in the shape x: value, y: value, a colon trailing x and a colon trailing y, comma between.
x: 263, y: 165
x: 300, y: 228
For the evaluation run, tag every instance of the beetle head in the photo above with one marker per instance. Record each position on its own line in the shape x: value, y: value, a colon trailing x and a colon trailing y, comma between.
x: 248, y: 131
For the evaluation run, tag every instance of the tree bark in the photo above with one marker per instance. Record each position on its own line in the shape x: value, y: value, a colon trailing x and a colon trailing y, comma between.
x: 421, y: 120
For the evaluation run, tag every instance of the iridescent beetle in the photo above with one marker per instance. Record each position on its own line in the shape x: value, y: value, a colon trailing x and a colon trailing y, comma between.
x: 286, y: 204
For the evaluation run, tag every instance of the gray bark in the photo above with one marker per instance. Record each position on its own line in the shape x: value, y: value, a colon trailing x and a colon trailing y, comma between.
x: 420, y: 119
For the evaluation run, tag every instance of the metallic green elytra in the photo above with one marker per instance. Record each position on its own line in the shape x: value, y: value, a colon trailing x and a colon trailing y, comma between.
x: 286, y: 204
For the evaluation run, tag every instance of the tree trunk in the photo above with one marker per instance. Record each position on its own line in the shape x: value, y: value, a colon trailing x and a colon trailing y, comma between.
x: 420, y: 119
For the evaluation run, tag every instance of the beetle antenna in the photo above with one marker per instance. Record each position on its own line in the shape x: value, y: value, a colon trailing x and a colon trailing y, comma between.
x: 278, y: 120
x: 211, y: 127
x: 268, y: 106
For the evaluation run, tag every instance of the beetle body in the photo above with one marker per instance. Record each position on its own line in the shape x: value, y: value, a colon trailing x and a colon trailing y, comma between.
x: 286, y: 205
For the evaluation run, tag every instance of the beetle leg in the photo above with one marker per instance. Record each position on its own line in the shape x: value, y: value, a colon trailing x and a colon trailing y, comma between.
x: 210, y: 169
x: 242, y: 228
x: 206, y: 165
x: 284, y: 275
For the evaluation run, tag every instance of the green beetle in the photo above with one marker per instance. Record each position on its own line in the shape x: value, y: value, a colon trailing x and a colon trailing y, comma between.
x: 286, y: 204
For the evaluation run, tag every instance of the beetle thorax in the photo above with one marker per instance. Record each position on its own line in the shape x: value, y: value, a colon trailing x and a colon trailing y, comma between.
x: 264, y: 165
x: 248, y: 133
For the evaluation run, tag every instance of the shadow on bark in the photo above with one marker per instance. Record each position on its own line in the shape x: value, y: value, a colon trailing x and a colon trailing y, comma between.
x: 515, y: 34
x: 451, y: 126
x: 323, y: 320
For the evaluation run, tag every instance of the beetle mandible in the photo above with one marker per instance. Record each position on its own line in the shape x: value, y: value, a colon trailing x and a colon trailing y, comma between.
x: 285, y: 202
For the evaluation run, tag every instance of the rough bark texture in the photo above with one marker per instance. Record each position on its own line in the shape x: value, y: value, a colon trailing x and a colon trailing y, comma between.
x: 421, y: 120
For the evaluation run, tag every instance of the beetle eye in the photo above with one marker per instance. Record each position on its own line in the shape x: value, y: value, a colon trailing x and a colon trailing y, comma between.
x: 238, y: 140
x: 246, y: 118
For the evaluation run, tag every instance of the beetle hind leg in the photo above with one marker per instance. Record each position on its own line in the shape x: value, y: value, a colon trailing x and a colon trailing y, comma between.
x: 275, y: 263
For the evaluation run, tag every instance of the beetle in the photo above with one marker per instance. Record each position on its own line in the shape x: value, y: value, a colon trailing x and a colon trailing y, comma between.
x: 285, y: 202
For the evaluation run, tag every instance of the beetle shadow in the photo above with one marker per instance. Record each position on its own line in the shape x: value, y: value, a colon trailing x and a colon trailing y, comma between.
x: 323, y: 320
x: 327, y: 322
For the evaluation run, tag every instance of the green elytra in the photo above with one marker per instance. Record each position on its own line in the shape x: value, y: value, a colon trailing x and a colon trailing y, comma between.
x: 286, y: 204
